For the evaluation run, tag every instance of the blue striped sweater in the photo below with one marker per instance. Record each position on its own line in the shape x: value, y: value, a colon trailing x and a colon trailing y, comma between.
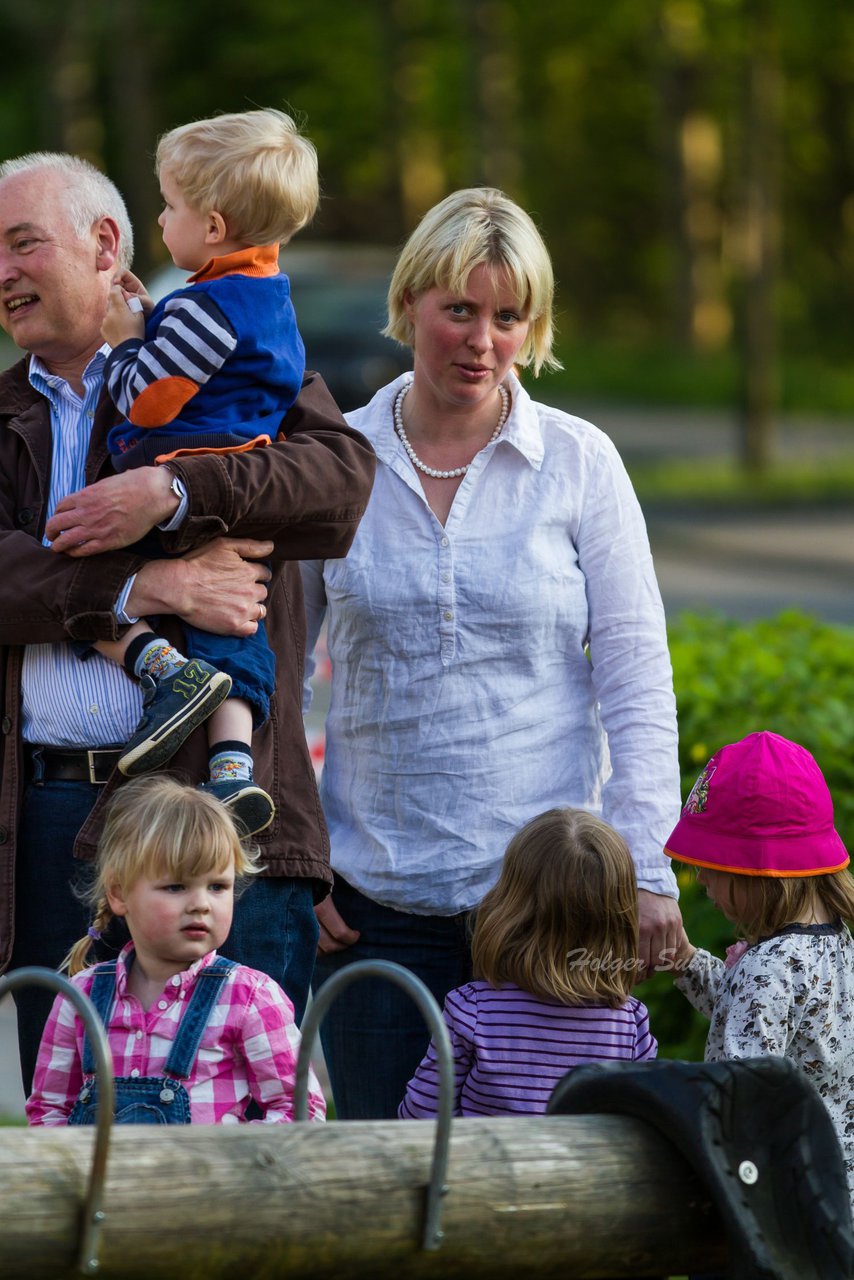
x: 221, y: 363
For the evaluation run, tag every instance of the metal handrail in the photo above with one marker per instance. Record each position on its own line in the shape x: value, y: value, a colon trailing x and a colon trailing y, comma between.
x: 402, y: 977
x: 93, y: 1214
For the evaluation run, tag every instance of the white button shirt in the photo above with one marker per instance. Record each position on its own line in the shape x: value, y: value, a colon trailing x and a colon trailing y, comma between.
x: 509, y: 662
x: 68, y: 701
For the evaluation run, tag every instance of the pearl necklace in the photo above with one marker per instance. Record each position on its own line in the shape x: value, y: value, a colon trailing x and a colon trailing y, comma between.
x: 416, y: 461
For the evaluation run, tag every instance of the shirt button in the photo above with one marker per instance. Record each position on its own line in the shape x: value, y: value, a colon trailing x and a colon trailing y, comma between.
x: 94, y: 709
x: 135, y: 1071
x: 176, y: 981
x: 89, y: 414
x: 139, y: 1035
x: 162, y: 1004
x: 448, y: 615
x: 446, y: 577
x: 446, y: 542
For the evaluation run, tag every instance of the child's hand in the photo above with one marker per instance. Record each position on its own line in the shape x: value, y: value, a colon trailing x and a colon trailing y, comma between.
x: 120, y: 323
x: 684, y: 951
x: 675, y: 959
x: 134, y: 288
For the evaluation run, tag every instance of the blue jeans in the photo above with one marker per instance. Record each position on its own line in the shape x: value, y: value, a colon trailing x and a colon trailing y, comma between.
x: 249, y: 661
x: 275, y: 930
x: 373, y: 1035
x: 49, y: 917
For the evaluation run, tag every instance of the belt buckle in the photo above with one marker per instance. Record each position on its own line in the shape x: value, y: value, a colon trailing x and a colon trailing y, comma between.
x: 93, y: 761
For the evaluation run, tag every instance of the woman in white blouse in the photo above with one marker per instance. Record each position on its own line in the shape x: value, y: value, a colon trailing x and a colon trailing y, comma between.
x: 496, y: 636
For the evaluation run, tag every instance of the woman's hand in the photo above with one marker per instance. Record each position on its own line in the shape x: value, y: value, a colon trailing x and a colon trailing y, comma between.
x: 660, y: 932
x: 676, y: 959
x: 335, y: 933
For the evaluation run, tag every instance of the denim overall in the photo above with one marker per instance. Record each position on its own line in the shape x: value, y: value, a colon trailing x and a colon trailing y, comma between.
x: 151, y: 1099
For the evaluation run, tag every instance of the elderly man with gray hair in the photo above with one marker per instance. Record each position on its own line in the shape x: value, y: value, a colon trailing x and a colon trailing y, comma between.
x: 64, y: 238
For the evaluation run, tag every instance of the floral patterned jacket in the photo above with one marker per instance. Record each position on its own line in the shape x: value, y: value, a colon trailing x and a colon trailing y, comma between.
x: 793, y: 995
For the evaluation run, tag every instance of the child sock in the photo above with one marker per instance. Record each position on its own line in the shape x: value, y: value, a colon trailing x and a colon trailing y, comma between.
x: 230, y: 762
x: 153, y: 656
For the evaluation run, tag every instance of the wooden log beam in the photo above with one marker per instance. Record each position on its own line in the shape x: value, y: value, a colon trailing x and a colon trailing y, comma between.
x: 559, y: 1196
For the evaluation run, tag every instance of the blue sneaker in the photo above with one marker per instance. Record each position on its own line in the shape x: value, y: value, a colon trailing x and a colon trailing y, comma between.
x: 249, y: 804
x: 171, y: 710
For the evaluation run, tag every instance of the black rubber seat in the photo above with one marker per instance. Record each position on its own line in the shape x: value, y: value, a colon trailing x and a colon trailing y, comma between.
x: 758, y: 1135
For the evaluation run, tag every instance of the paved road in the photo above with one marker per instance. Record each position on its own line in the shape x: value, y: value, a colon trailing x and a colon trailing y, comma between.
x: 650, y: 433
x: 752, y: 564
x: 747, y: 566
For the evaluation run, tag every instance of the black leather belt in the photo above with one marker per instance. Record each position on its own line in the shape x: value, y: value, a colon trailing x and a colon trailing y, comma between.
x: 71, y: 764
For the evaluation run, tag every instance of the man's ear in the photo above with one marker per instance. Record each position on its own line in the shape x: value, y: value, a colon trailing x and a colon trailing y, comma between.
x: 217, y: 231
x: 107, y: 240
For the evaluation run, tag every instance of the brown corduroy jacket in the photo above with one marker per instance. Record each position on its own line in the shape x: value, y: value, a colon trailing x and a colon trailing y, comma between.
x: 306, y: 493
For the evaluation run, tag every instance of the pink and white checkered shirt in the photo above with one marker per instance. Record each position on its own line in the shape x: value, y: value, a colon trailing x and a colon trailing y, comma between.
x: 248, y: 1050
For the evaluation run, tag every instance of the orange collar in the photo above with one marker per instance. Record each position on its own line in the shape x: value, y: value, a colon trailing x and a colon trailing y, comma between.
x: 256, y: 260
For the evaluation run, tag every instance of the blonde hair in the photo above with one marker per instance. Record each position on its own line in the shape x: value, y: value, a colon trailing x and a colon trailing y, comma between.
x: 253, y: 167
x: 479, y: 226
x: 775, y: 901
x: 89, y: 194
x: 157, y: 826
x: 562, y: 920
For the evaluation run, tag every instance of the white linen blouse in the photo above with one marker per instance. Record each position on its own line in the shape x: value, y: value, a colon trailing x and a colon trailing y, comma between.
x: 512, y: 660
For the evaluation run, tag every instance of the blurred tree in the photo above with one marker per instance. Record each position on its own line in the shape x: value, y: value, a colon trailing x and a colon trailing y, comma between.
x: 129, y: 94
x: 416, y: 45
x: 490, y: 74
x: 760, y: 230
x: 57, y: 73
x: 687, y: 201
x: 677, y: 68
x: 691, y: 167
x: 589, y: 175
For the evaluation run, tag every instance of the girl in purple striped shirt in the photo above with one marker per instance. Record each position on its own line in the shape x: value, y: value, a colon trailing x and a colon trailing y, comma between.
x: 555, y: 951
x: 194, y: 1037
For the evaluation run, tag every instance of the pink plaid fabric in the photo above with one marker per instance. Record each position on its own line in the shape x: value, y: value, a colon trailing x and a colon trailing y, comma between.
x: 249, y: 1048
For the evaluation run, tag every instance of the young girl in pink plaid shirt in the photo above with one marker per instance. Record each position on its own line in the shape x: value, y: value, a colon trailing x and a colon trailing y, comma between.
x: 194, y: 1038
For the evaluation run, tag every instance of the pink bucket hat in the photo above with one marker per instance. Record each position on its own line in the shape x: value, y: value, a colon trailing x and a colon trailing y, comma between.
x: 761, y: 807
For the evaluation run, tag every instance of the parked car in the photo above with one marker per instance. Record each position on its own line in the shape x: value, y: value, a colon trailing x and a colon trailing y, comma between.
x: 339, y: 294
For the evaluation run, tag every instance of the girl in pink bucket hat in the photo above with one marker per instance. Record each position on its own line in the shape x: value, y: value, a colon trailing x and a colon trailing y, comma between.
x: 758, y: 827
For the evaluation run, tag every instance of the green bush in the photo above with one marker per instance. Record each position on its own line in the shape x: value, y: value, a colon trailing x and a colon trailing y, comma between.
x: 791, y: 674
